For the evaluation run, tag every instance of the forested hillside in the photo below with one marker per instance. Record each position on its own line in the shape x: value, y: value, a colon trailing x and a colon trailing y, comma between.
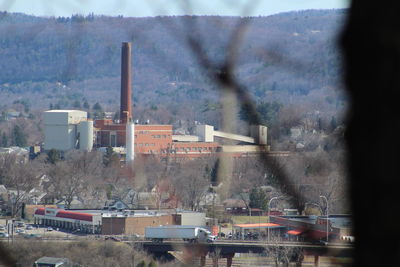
x: 289, y: 63
x: 289, y: 58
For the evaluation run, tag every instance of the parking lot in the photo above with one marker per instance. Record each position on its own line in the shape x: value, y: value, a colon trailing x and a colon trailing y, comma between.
x: 36, y: 231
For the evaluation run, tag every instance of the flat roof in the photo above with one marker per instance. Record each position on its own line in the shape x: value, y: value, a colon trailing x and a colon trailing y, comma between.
x: 335, y: 219
x: 134, y: 213
x: 257, y: 225
x: 64, y: 110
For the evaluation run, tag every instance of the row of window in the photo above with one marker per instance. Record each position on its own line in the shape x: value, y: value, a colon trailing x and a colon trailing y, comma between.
x: 157, y: 136
x: 145, y: 144
x: 194, y: 149
x: 178, y: 149
x: 161, y: 136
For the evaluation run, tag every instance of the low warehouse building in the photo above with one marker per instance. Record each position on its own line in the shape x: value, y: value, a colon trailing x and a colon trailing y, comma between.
x: 135, y: 223
x: 130, y: 225
x: 85, y: 222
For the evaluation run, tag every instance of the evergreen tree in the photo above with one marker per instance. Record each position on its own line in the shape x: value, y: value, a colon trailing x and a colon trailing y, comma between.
x: 333, y: 123
x: 141, y: 264
x: 18, y: 137
x: 110, y: 157
x: 3, y: 116
x: 53, y: 156
x: 4, y: 140
x: 265, y: 113
x: 97, y: 107
x: 214, y: 174
x: 258, y: 199
x: 86, y: 105
x: 320, y: 127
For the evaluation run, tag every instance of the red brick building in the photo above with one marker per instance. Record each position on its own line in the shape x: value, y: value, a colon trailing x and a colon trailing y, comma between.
x: 150, y: 139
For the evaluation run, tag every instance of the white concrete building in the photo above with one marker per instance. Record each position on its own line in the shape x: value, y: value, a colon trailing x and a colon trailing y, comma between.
x: 67, y: 129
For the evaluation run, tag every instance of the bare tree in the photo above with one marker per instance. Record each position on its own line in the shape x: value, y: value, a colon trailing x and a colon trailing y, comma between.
x: 71, y: 178
x: 20, y: 179
x: 283, y: 255
x: 193, y: 181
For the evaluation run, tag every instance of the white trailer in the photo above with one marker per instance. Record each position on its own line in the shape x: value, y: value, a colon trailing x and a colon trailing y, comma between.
x: 186, y: 233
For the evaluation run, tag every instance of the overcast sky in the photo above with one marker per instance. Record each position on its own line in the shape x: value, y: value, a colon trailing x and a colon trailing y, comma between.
x: 145, y: 8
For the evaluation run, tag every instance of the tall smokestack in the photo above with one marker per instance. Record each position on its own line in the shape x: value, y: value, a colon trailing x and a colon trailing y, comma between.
x: 126, y: 87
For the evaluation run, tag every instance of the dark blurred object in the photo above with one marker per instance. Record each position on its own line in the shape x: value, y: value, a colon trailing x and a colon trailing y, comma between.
x: 371, y: 48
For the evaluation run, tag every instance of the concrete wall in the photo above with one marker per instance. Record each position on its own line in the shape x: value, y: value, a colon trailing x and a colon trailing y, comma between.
x: 185, y: 138
x: 205, y: 133
x: 235, y: 137
x: 193, y: 218
x: 134, y: 225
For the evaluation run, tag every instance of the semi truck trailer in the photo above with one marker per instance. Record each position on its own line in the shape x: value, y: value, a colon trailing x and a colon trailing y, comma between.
x: 185, y: 233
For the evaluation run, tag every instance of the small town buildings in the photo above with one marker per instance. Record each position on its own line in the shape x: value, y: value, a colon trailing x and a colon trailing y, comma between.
x: 115, y: 222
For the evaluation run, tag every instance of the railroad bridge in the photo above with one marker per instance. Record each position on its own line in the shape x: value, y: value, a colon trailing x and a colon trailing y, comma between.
x: 227, y: 249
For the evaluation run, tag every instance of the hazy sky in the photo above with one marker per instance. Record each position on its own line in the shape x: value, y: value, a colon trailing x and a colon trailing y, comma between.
x: 144, y: 8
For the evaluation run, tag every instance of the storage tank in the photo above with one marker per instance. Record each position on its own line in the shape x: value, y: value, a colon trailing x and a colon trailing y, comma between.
x: 259, y: 133
x: 130, y: 141
x: 85, y: 131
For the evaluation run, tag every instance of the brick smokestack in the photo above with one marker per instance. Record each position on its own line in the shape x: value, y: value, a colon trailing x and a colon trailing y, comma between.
x: 126, y: 81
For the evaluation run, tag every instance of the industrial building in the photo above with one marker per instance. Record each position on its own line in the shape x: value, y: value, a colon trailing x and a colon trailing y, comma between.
x: 70, y: 129
x: 67, y: 129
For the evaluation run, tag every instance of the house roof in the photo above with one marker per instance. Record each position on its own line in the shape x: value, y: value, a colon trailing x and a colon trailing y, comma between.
x: 234, y: 203
x: 257, y: 225
x: 51, y: 260
x: 68, y: 214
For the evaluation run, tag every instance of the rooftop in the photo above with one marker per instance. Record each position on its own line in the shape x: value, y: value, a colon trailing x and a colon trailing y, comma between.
x: 64, y: 110
x: 51, y: 260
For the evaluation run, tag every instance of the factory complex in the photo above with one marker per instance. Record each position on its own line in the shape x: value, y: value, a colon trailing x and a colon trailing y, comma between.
x: 71, y: 129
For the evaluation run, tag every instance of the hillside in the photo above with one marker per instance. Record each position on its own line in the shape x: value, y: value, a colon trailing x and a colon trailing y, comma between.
x: 290, y: 58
